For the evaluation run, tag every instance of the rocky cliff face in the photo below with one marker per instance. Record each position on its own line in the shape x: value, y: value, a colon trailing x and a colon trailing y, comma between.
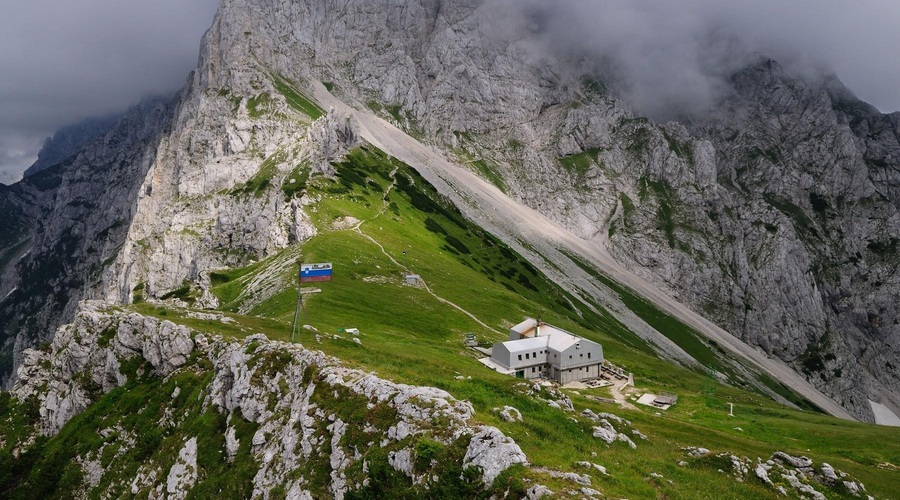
x: 792, y: 246
x: 66, y: 224
x: 777, y: 216
x: 293, y: 420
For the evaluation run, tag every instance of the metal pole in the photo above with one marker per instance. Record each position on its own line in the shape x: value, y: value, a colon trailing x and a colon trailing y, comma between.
x: 296, y: 325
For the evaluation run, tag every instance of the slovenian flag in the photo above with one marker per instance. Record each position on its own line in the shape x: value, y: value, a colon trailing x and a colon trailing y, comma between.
x: 315, y: 272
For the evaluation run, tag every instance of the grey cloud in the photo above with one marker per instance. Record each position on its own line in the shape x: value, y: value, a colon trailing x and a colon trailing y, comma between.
x: 669, y: 57
x: 16, y: 150
x: 62, y: 61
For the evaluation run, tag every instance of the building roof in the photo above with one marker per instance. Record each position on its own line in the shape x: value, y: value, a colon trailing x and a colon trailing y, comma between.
x: 560, y: 340
x: 548, y: 336
x: 526, y: 344
x: 525, y: 326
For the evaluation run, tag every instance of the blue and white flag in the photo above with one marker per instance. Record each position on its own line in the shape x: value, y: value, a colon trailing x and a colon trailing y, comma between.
x: 315, y: 272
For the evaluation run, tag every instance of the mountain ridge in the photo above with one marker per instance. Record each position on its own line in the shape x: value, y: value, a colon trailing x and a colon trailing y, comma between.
x: 553, y: 115
x: 69, y: 140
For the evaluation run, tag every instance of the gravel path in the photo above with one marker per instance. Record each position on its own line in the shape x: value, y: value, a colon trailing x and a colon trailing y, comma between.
x: 487, y: 205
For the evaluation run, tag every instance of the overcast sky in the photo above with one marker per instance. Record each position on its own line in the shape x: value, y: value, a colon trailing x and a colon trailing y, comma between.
x: 680, y: 51
x: 65, y: 60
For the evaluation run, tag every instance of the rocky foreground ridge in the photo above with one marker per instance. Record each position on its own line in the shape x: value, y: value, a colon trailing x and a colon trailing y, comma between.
x: 294, y: 420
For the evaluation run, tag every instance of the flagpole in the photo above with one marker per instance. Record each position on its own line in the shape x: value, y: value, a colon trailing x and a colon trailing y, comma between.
x: 297, y: 310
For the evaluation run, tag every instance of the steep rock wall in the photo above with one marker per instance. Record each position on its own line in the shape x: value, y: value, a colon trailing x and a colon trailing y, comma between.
x: 71, y: 221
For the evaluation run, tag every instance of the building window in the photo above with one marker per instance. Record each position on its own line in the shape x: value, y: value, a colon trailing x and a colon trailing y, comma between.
x: 526, y: 355
x: 581, y: 355
x: 534, y: 354
x: 520, y: 357
x: 589, y: 355
x: 532, y: 369
x: 570, y: 356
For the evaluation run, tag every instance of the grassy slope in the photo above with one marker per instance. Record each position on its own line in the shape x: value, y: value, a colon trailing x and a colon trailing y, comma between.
x: 409, y: 336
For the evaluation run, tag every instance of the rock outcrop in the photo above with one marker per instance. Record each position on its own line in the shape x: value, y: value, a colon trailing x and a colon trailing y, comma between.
x: 297, y: 400
x: 783, y: 471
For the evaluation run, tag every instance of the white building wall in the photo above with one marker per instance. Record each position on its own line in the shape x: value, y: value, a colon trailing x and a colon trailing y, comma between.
x: 500, y: 354
x: 535, y: 372
x: 577, y: 374
x: 529, y: 357
x: 588, y: 353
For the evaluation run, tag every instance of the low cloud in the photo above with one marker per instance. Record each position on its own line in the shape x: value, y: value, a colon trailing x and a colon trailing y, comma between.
x: 63, y: 61
x: 671, y: 57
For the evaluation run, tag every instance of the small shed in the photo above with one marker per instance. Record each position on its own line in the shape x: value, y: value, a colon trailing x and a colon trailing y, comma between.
x: 666, y: 398
x: 412, y: 279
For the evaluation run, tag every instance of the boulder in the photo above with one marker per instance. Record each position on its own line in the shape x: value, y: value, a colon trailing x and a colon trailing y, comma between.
x: 494, y: 452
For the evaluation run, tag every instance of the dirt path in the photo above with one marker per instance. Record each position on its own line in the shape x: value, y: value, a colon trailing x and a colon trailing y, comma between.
x: 616, y: 391
x: 486, y: 204
x: 358, y: 228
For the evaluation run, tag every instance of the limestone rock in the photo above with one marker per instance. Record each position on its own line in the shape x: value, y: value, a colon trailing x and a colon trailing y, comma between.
x: 231, y: 444
x: 402, y: 461
x: 762, y: 474
x: 538, y: 491
x: 829, y: 473
x: 509, y: 414
x: 801, y: 487
x: 277, y: 401
x: 599, y: 468
x: 797, y: 462
x: 582, y: 479
x: 606, y: 434
x: 696, y: 452
x: 590, y: 492
x: 627, y: 440
x: 493, y: 452
x: 183, y: 473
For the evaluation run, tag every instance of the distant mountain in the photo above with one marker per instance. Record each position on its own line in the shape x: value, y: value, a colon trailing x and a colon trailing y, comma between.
x: 69, y: 140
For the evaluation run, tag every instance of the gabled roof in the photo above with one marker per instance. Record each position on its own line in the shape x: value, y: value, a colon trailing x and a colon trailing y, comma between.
x: 548, y: 336
x: 560, y: 341
x: 527, y: 344
x: 525, y: 326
